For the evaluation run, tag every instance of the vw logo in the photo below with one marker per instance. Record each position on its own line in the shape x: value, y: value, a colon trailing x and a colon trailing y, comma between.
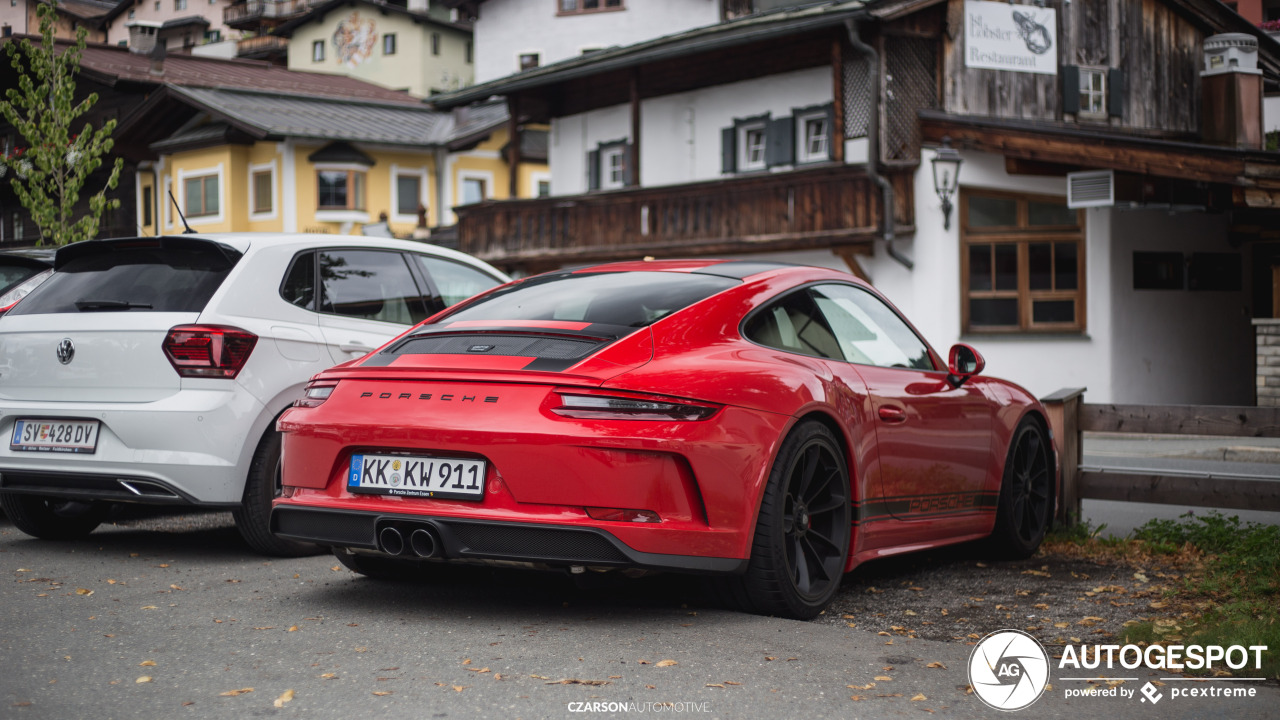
x: 66, y: 351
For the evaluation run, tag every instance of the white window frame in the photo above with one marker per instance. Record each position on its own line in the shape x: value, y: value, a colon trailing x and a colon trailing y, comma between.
x: 537, y: 60
x: 341, y: 215
x: 1088, y: 94
x: 607, y: 156
x: 423, y: 193
x: 745, y: 164
x: 267, y: 167
x: 185, y: 175
x: 483, y: 175
x: 804, y: 153
x: 539, y: 177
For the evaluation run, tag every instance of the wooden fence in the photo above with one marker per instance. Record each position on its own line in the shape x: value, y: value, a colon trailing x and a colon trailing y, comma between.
x: 1070, y: 417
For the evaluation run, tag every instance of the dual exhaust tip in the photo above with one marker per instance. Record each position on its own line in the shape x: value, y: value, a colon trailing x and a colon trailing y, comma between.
x: 422, y: 541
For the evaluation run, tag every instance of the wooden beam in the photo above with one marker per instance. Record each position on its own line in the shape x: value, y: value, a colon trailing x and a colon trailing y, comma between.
x: 634, y: 160
x: 1218, y: 421
x: 1063, y: 408
x: 837, y: 95
x: 850, y: 257
x: 1200, y: 491
x: 513, y: 146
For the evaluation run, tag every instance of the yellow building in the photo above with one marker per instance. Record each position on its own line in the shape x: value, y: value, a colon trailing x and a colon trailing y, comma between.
x: 239, y: 160
x: 415, y: 50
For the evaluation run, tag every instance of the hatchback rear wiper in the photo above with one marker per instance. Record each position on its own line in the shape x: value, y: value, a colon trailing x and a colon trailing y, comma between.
x: 86, y: 305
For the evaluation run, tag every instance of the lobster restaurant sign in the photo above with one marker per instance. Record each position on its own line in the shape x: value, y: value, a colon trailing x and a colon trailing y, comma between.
x: 1020, y: 38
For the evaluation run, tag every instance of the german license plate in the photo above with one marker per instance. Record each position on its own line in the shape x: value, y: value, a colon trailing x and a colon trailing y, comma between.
x: 69, y: 436
x: 415, y: 476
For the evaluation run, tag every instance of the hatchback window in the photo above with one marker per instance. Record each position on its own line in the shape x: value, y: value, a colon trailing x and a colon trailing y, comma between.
x: 139, y: 279
x: 371, y: 285
x: 299, y: 286
x: 454, y: 281
x: 630, y: 299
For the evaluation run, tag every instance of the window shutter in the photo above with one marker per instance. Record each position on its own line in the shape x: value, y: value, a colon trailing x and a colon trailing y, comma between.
x: 1115, y: 92
x: 833, y: 134
x: 780, y: 142
x: 628, y: 172
x: 1070, y: 89
x: 593, y: 170
x: 729, y: 150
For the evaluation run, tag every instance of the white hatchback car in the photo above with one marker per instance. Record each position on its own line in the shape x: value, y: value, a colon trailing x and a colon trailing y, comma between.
x: 152, y: 370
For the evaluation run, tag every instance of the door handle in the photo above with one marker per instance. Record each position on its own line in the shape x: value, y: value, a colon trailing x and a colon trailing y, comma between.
x: 356, y: 347
x: 889, y: 413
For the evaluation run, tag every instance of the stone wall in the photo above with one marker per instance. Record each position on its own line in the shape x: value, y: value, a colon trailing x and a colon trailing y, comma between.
x: 1268, y: 334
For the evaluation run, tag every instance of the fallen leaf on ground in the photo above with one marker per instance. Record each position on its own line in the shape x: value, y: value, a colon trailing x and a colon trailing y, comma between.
x: 883, y: 678
x: 266, y: 627
x: 730, y: 682
x: 715, y: 685
x: 143, y: 679
x: 857, y: 698
x: 147, y: 663
x: 868, y: 686
x: 233, y: 693
x: 284, y: 698
x: 937, y: 665
x: 456, y: 688
x: 175, y: 587
x: 466, y: 661
x: 329, y: 675
x: 83, y: 591
x: 294, y: 628
x: 615, y: 677
x: 478, y: 670
x: 919, y: 697
x: 380, y: 693
x: 667, y: 663
x: 576, y: 681
x: 149, y: 607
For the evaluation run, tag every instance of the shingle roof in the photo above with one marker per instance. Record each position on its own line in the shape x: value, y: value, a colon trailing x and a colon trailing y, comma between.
x: 113, y: 65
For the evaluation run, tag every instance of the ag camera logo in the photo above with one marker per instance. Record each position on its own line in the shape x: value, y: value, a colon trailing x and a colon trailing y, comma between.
x: 1008, y: 670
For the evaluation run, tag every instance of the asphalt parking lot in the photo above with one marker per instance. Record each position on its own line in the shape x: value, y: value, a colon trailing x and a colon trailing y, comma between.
x: 173, y: 617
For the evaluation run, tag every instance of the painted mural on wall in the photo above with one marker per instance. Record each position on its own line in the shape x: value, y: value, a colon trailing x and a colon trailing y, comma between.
x: 354, y: 39
x: 1001, y: 36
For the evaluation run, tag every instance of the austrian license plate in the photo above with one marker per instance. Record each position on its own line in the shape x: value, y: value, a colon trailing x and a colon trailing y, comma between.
x: 414, y: 476
x: 69, y: 436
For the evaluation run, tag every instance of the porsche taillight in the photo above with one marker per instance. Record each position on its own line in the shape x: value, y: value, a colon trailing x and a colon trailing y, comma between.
x: 630, y: 406
x: 316, y: 392
x: 208, y: 351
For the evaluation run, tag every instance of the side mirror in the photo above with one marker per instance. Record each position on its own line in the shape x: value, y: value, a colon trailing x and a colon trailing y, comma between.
x: 963, y: 362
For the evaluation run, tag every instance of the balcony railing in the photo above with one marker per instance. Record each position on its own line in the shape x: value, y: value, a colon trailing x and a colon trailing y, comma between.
x: 819, y: 208
x: 261, y: 46
x: 254, y: 11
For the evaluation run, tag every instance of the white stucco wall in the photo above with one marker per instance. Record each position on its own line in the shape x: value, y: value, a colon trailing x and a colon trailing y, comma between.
x: 508, y: 29
x: 930, y: 294
x: 146, y: 11
x: 1177, y: 346
x: 680, y: 134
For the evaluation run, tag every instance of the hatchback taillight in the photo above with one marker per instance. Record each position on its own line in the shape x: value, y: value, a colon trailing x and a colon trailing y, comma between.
x: 215, y: 351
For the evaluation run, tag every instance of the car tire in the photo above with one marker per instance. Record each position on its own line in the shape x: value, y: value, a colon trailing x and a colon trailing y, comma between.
x: 801, y: 542
x: 379, y: 568
x: 53, y: 518
x: 1026, y: 494
x: 253, y: 517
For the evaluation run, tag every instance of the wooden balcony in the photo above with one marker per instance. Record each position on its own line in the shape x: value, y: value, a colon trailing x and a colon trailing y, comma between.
x: 250, y: 14
x: 828, y: 207
x: 263, y: 46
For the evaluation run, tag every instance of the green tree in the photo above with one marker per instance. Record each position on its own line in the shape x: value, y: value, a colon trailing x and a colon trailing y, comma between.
x: 51, y: 171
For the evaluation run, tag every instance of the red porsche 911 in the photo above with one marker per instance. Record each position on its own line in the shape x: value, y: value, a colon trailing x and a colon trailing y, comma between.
x: 771, y: 424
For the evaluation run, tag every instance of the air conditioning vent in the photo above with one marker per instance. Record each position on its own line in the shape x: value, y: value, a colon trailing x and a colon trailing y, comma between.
x: 1095, y: 188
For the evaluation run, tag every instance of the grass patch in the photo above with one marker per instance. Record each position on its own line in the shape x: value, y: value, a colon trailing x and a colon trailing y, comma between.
x: 1227, y: 590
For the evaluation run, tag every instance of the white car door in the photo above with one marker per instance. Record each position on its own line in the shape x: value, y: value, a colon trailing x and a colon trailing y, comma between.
x: 367, y: 297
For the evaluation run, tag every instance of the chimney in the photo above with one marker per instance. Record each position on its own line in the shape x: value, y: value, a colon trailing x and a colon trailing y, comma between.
x: 158, y: 54
x: 1231, y: 92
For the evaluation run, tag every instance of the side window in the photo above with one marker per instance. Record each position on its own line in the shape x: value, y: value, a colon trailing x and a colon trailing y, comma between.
x: 868, y: 331
x: 455, y: 282
x: 371, y: 285
x: 794, y: 324
x: 299, y: 286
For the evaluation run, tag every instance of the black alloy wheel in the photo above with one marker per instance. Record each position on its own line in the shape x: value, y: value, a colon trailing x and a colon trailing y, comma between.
x: 1026, y: 493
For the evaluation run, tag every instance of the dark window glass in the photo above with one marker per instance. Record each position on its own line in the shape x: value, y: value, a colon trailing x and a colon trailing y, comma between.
x: 1215, y: 271
x: 371, y: 285
x: 993, y: 312
x: 868, y: 331
x: 794, y: 324
x: 1053, y: 311
x: 633, y: 299
x: 147, y: 203
x: 408, y: 194
x: 299, y: 286
x: 454, y: 281
x: 1040, y: 263
x: 979, y: 267
x: 1158, y: 271
x: 333, y: 188
x: 201, y: 196
x: 1065, y: 275
x: 180, y: 277
x: 1006, y: 267
x: 985, y: 212
x: 1041, y: 213
x: 262, y: 192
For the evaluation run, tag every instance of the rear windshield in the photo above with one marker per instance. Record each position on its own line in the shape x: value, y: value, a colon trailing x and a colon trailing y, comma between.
x: 629, y: 299
x: 144, y: 279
